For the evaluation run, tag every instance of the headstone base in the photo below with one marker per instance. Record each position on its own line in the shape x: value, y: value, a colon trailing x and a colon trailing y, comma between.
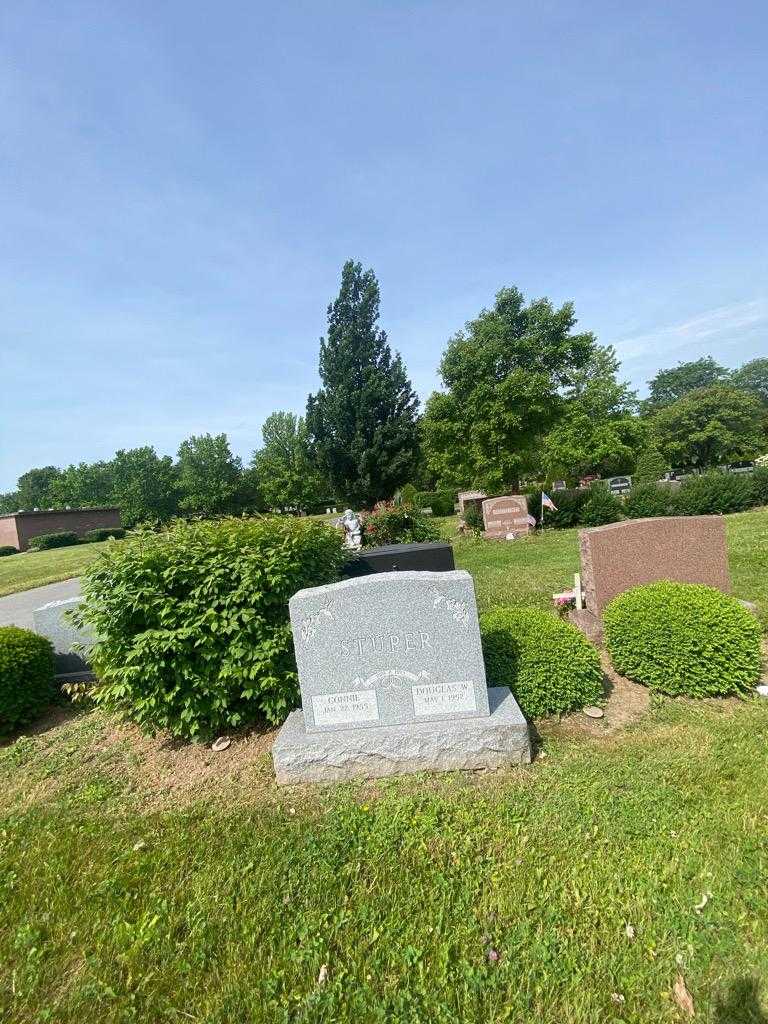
x: 589, y: 624
x: 469, y: 743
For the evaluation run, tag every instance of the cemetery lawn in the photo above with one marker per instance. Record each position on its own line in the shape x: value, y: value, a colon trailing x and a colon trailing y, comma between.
x: 528, y: 572
x: 37, y: 568
x: 573, y: 891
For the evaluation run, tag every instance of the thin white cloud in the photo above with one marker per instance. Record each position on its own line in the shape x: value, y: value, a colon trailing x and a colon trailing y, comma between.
x: 719, y: 326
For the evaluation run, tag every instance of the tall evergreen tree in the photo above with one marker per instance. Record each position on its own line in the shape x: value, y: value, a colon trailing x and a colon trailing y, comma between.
x: 362, y: 423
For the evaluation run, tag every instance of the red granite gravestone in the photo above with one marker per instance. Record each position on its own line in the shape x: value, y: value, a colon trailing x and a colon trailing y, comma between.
x: 466, y: 496
x: 506, y: 517
x: 614, y: 558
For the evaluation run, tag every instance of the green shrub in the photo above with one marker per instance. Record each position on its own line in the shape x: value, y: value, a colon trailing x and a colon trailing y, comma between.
x: 549, y: 665
x: 6, y: 549
x: 683, y: 639
x: 569, y: 505
x: 759, y: 483
x: 714, y: 494
x: 442, y: 503
x: 649, y: 500
x: 600, y: 508
x: 103, y: 533
x: 651, y: 467
x: 46, y: 541
x: 193, y: 627
x: 397, y: 524
x: 473, y: 516
x: 26, y: 676
x: 408, y: 495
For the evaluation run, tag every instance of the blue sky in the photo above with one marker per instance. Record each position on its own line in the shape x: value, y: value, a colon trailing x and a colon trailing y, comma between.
x: 180, y: 184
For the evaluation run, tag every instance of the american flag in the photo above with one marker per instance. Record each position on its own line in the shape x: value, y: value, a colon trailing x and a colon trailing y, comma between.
x: 546, y: 502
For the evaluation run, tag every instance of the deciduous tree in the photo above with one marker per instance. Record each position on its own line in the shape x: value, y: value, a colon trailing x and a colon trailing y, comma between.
x: 504, y: 377
x: 710, y: 426
x: 209, y: 475
x: 670, y: 385
x: 284, y: 468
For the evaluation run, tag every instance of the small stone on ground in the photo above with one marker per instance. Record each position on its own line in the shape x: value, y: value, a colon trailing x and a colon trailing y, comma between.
x: 593, y: 712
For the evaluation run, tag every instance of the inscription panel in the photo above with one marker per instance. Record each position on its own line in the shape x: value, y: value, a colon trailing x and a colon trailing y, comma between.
x: 443, y: 698
x: 387, y: 649
x: 347, y: 708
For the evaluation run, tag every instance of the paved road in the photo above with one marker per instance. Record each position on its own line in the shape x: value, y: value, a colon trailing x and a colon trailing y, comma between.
x: 16, y: 609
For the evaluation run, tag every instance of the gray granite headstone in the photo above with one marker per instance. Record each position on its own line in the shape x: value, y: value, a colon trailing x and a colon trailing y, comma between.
x: 388, y: 649
x: 52, y: 621
x: 392, y: 680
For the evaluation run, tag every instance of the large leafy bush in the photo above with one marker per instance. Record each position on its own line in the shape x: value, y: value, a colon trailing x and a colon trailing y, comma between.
x: 193, y: 627
x: 26, y: 676
x: 46, y: 541
x: 683, y: 639
x: 713, y: 494
x: 397, y: 524
x: 549, y: 665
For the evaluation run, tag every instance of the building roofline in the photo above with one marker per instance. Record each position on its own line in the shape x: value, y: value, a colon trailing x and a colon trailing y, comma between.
x: 58, y: 511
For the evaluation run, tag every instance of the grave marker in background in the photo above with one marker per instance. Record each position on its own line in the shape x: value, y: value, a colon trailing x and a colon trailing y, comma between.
x: 506, y: 517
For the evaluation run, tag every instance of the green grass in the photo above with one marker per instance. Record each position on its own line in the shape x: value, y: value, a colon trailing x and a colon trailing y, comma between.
x: 529, y: 571
x: 119, y: 906
x: 36, y: 568
x: 226, y: 910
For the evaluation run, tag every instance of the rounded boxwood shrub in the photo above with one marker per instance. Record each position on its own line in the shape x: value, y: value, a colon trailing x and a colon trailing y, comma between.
x: 26, y: 676
x: 46, y: 541
x: 193, y: 628
x: 397, y: 524
x: 103, y: 533
x: 6, y: 549
x: 549, y: 665
x: 683, y: 639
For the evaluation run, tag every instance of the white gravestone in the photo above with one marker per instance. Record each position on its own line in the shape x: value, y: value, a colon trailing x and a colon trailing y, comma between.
x: 392, y: 680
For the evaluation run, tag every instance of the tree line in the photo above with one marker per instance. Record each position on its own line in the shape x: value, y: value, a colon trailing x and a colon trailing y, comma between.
x: 525, y: 397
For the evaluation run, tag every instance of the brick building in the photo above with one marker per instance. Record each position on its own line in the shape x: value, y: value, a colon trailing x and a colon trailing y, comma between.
x: 18, y: 528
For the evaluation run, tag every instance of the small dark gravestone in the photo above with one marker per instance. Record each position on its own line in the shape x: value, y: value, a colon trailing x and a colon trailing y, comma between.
x: 393, y: 681
x: 431, y: 557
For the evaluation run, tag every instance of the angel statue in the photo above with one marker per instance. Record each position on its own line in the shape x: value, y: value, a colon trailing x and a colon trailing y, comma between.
x: 353, y: 530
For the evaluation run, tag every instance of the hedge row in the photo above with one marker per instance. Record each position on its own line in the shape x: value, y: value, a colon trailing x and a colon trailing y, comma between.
x: 65, y: 539
x: 710, y: 494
